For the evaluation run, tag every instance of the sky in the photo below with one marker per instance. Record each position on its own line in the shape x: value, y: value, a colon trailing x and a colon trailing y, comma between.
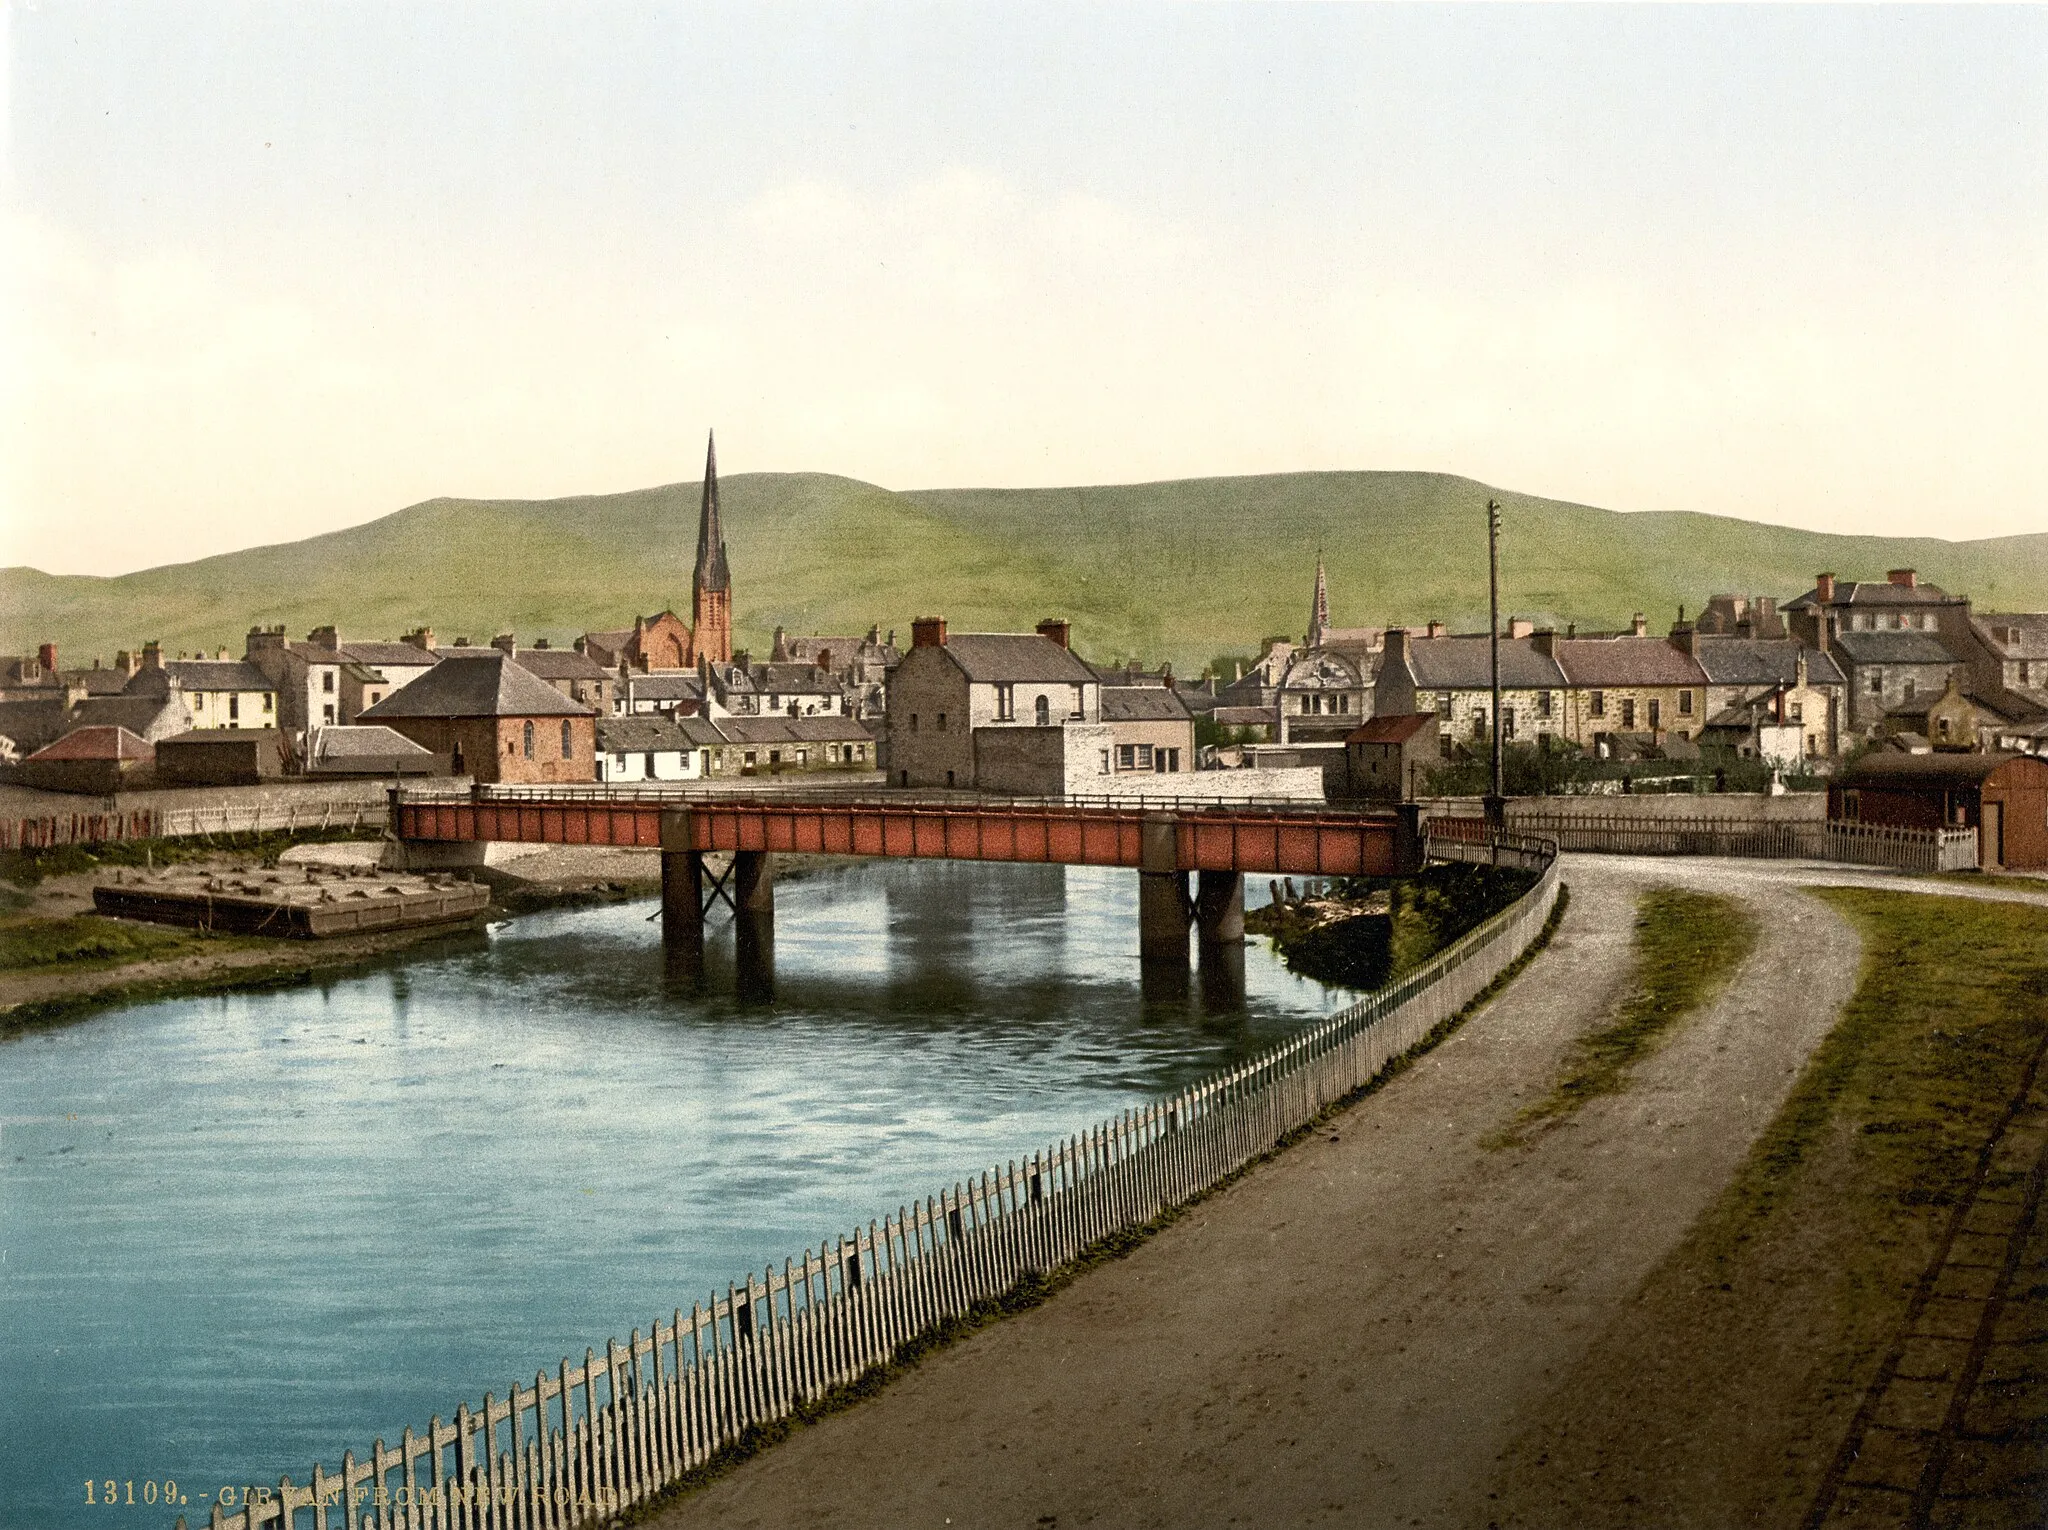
x: 270, y: 270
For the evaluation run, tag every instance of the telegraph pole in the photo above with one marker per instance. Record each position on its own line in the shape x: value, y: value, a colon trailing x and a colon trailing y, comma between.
x: 1496, y: 801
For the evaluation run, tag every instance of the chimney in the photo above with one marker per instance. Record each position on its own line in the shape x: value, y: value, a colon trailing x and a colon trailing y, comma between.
x: 1238, y: 665
x: 1799, y: 669
x: 875, y: 635
x: 779, y: 652
x: 1824, y: 588
x: 47, y: 657
x: 1054, y: 627
x: 124, y: 661
x: 1571, y: 630
x: 421, y: 638
x: 540, y: 642
x: 824, y: 660
x: 1685, y: 637
x: 1764, y: 613
x: 1434, y: 629
x: 1545, y: 642
x: 928, y: 632
x: 152, y: 655
x: 1904, y: 578
x: 324, y: 637
x: 506, y: 644
x: 1397, y: 645
x: 1639, y: 625
x: 222, y: 655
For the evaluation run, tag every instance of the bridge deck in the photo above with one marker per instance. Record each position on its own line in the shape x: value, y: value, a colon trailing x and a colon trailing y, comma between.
x: 1244, y: 839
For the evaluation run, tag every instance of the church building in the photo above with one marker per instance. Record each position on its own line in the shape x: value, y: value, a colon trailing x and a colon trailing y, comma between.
x: 665, y: 641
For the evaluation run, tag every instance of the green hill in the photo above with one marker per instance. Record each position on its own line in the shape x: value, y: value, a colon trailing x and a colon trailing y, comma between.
x: 1177, y: 570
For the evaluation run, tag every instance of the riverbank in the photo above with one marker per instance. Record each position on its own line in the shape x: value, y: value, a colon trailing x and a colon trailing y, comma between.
x: 59, y: 960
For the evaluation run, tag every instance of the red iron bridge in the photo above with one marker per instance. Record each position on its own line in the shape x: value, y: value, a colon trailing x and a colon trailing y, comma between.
x: 1162, y: 839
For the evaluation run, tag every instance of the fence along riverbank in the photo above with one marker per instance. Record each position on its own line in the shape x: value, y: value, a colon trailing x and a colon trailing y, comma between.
x: 592, y: 1439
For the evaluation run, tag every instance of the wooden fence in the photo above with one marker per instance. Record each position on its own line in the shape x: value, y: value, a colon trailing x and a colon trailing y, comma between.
x: 178, y: 823
x: 589, y: 1440
x: 1811, y: 839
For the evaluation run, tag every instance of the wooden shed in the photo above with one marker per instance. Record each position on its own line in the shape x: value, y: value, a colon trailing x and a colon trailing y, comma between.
x: 220, y: 757
x: 2004, y: 797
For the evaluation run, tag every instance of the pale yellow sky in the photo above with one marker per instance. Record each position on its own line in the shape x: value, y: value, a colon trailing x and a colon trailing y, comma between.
x: 285, y: 275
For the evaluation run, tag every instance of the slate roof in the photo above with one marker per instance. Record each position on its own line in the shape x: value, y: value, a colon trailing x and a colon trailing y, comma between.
x: 560, y: 664
x: 96, y: 743
x: 477, y: 683
x: 357, y: 741
x: 1893, y: 648
x: 1461, y: 663
x: 1873, y: 592
x: 377, y: 655
x: 217, y: 675
x: 664, y: 687
x: 793, y: 730
x: 1242, y: 717
x: 97, y: 682
x: 1626, y: 660
x: 1763, y: 661
x: 199, y: 736
x: 138, y: 714
x: 642, y: 735
x: 1394, y: 728
x: 36, y: 722
x: 794, y: 679
x: 1004, y: 658
x: 1143, y: 703
x: 2029, y: 639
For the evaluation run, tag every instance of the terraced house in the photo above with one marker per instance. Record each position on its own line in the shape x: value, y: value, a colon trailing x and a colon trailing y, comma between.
x: 1451, y: 675
x: 218, y: 693
x: 1758, y: 682
x: 1630, y: 685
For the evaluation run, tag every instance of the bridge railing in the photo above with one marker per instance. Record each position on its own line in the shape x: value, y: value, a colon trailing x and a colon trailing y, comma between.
x: 588, y: 1440
x: 681, y: 793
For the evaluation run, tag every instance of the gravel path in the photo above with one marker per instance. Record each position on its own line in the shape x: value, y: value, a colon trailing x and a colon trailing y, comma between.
x: 1351, y: 1334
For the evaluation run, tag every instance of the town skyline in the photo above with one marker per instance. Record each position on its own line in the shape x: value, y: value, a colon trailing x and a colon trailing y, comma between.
x: 1775, y: 265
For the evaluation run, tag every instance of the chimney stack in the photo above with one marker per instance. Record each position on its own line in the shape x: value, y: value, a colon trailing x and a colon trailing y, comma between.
x: 324, y: 637
x: 1639, y: 625
x: 1434, y: 629
x: 1055, y: 628
x: 1520, y: 627
x: 1824, y: 588
x: 152, y: 655
x: 421, y: 638
x: 1397, y: 645
x: 1545, y: 642
x: 928, y: 632
x: 1904, y: 578
x: 507, y: 644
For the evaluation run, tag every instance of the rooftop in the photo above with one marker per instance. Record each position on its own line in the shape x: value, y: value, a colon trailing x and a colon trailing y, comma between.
x: 1005, y: 658
x: 1763, y: 661
x: 96, y: 743
x: 476, y: 683
x: 1143, y: 703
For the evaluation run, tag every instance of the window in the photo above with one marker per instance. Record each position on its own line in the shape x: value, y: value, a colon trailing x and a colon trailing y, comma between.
x: 1144, y: 757
x: 1166, y: 761
x: 1877, y: 682
x: 234, y: 707
x: 1628, y: 713
x: 1080, y: 708
x: 752, y: 755
x: 913, y: 722
x: 619, y: 761
x: 1656, y: 713
x: 1126, y: 756
x: 1479, y: 725
x: 775, y: 757
x: 327, y: 681
x: 529, y: 740
x: 803, y: 757
x: 1507, y: 722
x: 649, y: 767
x: 1685, y: 703
x: 1598, y: 704
x: 1041, y: 712
x: 941, y: 725
x: 269, y: 699
x: 1443, y: 707
x: 1941, y: 724
x: 1906, y: 690
x: 327, y: 713
x: 1105, y: 762
x: 568, y: 741
x: 1544, y: 703
x: 1006, y: 703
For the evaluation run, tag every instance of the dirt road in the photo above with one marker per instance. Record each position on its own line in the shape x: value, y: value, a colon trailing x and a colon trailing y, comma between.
x: 1352, y: 1334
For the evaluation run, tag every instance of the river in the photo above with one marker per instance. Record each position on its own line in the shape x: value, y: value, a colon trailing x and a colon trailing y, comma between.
x: 243, y: 1232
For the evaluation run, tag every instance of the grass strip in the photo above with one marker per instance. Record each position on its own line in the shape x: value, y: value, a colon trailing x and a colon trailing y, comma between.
x: 1688, y: 945
x: 81, y: 942
x: 1034, y: 1288
x: 26, y: 868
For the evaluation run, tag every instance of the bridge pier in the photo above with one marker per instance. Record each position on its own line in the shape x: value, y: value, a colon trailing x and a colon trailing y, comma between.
x: 1219, y: 937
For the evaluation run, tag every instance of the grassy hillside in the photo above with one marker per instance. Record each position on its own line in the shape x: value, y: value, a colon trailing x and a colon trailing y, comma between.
x: 1166, y: 570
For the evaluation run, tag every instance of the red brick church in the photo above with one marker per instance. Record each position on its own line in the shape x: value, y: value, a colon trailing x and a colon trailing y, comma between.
x: 665, y: 641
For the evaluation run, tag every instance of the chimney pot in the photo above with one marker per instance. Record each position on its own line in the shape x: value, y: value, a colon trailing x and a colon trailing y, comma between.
x: 1055, y: 628
x: 928, y: 632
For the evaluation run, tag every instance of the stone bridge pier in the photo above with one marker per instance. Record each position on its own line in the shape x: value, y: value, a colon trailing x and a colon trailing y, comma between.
x: 1165, y: 911
x: 688, y: 894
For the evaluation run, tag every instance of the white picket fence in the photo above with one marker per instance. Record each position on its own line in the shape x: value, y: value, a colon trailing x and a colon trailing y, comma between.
x: 590, y: 1440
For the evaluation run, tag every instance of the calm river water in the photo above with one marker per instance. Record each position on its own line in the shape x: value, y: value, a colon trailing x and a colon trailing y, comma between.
x: 243, y: 1232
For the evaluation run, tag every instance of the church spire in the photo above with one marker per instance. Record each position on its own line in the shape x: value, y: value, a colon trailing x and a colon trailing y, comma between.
x: 711, y: 570
x: 1319, y: 612
x: 711, y: 587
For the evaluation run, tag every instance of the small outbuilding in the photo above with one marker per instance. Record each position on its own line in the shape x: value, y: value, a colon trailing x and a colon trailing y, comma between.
x: 2004, y: 797
x: 369, y: 749
x: 1385, y: 758
x: 100, y: 760
x: 220, y: 757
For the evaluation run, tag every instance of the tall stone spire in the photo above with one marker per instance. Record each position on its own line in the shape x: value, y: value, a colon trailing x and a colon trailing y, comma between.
x: 1319, y: 612
x: 711, y: 586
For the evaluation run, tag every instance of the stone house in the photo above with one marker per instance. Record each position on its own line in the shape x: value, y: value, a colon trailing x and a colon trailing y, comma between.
x: 1324, y: 693
x: 1951, y: 722
x: 493, y: 721
x: 2015, y: 644
x: 948, y: 689
x: 1450, y: 675
x: 773, y: 746
x: 1630, y: 683
x: 860, y: 665
x: 1896, y: 642
x: 153, y: 717
x: 220, y: 693
x: 662, y: 695
x: 1755, y: 682
x: 1888, y: 671
x: 306, y: 676
x: 1149, y: 728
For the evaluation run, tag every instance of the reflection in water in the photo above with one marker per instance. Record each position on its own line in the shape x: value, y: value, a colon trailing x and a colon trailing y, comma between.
x: 237, y: 1233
